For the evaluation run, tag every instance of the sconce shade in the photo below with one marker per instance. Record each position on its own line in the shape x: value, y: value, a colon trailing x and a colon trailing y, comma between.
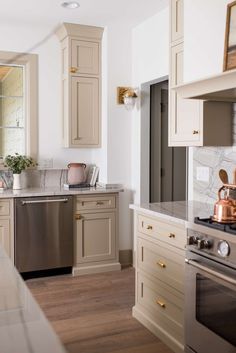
x: 126, y: 96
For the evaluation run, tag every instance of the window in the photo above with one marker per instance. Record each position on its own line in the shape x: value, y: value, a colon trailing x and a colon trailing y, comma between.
x: 18, y: 104
x: 12, y: 112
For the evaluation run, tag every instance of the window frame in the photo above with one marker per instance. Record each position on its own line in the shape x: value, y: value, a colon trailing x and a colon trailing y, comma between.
x: 30, y: 64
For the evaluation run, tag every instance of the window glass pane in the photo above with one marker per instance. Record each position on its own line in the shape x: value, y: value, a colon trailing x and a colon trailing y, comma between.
x: 12, y: 120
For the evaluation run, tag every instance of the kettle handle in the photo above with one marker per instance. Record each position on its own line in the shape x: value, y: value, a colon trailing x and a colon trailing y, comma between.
x: 219, y: 192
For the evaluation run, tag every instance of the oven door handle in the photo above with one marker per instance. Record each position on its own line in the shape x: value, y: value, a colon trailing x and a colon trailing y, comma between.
x: 210, y: 271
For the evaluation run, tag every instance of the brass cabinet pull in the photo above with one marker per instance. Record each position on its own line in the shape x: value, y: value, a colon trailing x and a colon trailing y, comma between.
x: 195, y: 132
x: 78, y: 217
x: 149, y: 227
x: 172, y: 235
x: 99, y: 203
x: 161, y: 264
x: 73, y: 70
x: 161, y: 304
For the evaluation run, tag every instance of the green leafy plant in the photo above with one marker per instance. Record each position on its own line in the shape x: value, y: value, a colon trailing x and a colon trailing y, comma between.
x: 18, y: 163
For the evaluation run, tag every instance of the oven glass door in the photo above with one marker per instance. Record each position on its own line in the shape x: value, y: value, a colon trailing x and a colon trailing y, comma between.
x: 210, y: 310
x: 216, y: 307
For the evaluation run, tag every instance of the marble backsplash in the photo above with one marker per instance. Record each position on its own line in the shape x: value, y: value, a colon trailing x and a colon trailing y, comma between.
x: 37, y: 178
x: 215, y: 158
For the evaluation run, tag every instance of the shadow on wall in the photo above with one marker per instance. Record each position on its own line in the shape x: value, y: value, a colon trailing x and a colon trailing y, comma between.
x: 214, y: 158
x: 126, y: 220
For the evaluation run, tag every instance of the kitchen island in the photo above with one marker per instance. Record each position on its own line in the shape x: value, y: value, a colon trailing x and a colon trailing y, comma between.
x: 160, y: 237
x: 23, y: 326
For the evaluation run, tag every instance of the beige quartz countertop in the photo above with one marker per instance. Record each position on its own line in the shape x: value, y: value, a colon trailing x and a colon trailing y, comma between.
x: 182, y: 212
x: 35, y: 192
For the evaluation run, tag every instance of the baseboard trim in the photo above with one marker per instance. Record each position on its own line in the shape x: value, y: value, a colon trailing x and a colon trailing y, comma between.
x: 126, y: 257
x: 96, y: 269
x: 171, y: 342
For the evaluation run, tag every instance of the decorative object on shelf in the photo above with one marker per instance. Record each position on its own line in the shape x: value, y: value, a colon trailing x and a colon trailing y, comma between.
x: 17, y: 164
x: 76, y: 173
x: 126, y: 96
x: 230, y: 38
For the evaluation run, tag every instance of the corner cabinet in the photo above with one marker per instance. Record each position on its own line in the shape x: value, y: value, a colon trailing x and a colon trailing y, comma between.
x: 96, y: 234
x: 192, y: 122
x: 81, y: 85
x: 159, y: 282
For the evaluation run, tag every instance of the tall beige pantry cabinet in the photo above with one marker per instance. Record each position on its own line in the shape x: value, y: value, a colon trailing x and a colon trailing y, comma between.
x: 192, y: 122
x: 81, y: 85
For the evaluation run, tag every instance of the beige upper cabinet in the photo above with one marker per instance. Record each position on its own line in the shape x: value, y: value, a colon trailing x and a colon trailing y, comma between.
x: 85, y: 57
x: 176, y: 25
x: 81, y: 85
x: 85, y: 98
x: 192, y: 122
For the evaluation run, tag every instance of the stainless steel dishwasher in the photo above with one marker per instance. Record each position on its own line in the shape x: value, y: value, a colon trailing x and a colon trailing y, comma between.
x: 43, y: 233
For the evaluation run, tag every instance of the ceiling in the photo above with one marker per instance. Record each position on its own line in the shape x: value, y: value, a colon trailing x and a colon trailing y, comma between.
x: 93, y: 12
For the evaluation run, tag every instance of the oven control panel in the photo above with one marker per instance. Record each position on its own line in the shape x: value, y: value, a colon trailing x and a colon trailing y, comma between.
x: 215, y: 247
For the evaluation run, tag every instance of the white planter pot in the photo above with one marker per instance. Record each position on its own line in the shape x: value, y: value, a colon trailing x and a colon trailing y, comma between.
x: 16, y: 181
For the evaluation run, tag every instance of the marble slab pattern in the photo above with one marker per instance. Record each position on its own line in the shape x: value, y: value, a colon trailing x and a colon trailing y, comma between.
x: 23, y: 326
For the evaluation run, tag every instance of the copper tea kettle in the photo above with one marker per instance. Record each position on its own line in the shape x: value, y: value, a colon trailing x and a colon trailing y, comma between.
x: 225, y: 208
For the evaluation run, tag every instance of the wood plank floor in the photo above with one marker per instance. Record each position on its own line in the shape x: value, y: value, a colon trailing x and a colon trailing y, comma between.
x: 92, y: 314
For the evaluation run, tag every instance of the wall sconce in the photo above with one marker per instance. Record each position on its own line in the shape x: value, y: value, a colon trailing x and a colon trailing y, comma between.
x: 126, y: 96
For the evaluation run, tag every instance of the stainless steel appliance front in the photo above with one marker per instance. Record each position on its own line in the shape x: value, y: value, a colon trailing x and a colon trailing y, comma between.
x: 210, y: 306
x: 43, y: 233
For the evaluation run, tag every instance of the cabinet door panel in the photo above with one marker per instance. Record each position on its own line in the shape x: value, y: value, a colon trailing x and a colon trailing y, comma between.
x: 185, y: 116
x: 5, y: 236
x: 85, y: 57
x: 95, y: 237
x: 176, y: 20
x: 85, y: 111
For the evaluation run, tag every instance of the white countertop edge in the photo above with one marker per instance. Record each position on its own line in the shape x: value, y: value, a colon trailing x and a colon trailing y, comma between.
x: 159, y: 214
x: 37, y: 192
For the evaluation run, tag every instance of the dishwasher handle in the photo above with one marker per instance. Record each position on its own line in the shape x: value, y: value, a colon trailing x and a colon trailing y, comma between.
x: 43, y: 201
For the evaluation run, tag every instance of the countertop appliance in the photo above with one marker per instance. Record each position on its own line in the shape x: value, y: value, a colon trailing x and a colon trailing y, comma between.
x: 43, y: 233
x: 210, y: 302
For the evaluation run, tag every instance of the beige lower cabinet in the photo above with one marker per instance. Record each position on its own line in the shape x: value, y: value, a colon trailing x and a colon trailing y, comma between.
x: 7, y: 227
x: 159, y: 287
x: 96, y: 234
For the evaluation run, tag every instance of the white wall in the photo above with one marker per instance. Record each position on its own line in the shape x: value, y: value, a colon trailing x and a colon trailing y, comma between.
x: 150, y: 61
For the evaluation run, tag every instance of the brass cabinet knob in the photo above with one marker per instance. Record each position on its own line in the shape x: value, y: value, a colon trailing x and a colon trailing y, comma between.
x: 73, y: 70
x: 149, y: 227
x: 161, y: 304
x: 99, y: 203
x: 195, y: 132
x: 161, y: 264
x: 78, y: 217
x: 172, y: 235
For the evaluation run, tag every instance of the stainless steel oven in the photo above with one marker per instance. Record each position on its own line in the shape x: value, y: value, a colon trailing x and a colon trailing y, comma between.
x: 210, y: 303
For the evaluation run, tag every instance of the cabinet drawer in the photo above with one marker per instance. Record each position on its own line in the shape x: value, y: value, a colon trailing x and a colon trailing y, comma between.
x: 5, y: 208
x: 163, y: 305
x: 167, y: 232
x: 95, y: 203
x: 162, y: 263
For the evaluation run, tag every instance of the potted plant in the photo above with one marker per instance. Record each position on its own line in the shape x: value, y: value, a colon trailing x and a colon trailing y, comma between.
x: 17, y: 164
